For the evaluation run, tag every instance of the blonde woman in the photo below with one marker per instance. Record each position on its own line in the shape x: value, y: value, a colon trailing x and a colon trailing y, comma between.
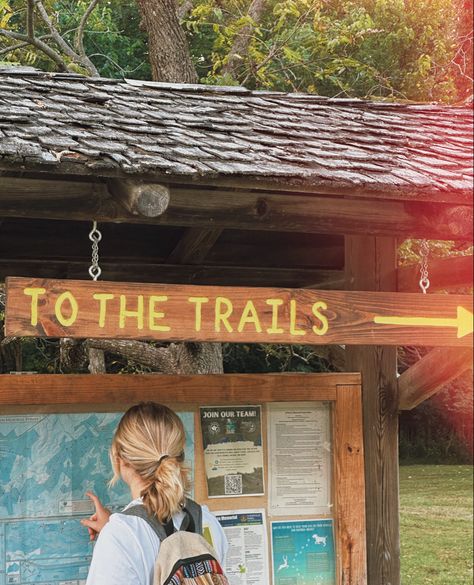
x: 147, y: 453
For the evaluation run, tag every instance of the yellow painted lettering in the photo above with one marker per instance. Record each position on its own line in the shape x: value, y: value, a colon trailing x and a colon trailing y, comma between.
x: 249, y: 315
x: 293, y: 326
x: 102, y: 298
x: 124, y: 312
x: 223, y: 311
x: 274, y: 303
x: 34, y: 293
x: 154, y: 314
x: 74, y: 309
x: 198, y: 301
x: 324, y: 326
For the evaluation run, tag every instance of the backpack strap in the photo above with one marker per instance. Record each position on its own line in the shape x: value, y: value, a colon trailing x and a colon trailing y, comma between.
x: 161, y: 530
x: 192, y: 521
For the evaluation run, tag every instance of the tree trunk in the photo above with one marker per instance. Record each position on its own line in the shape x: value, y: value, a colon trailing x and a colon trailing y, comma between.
x: 177, y: 358
x: 170, y: 62
x: 242, y: 39
x: 169, y: 55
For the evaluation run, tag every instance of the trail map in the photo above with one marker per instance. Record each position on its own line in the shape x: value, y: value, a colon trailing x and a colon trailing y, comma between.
x: 47, y: 463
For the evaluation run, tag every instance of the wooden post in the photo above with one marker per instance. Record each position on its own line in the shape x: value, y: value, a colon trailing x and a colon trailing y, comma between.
x: 371, y: 265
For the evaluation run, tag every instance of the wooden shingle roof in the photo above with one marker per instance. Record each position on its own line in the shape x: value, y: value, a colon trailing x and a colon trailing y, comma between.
x: 69, y: 124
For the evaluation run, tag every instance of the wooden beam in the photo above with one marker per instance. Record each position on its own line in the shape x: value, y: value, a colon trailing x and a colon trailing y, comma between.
x: 194, y: 246
x: 349, y: 464
x: 444, y: 274
x: 370, y: 265
x: 176, y: 274
x: 432, y: 373
x: 226, y: 209
x: 61, y: 391
x: 139, y: 198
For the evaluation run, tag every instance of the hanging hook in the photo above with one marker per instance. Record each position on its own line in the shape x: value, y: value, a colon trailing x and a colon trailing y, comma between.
x: 95, y: 236
x: 424, y: 281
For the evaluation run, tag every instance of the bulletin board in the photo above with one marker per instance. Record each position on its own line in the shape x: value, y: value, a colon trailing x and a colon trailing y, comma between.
x: 23, y: 394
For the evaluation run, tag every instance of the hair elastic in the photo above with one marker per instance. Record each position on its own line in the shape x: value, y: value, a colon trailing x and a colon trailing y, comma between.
x: 161, y: 460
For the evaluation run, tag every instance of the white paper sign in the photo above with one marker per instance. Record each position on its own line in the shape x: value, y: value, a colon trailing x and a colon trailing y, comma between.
x: 299, y: 440
x: 247, y: 557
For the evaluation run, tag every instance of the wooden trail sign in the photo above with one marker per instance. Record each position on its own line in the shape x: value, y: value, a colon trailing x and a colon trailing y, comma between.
x: 68, y: 308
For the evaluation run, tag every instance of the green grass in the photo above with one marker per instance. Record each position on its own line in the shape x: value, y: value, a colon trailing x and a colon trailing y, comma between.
x: 436, y: 524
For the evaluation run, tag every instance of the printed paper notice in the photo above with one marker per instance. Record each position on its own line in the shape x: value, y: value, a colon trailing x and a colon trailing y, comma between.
x: 233, y: 455
x: 300, y: 458
x: 247, y: 557
x: 303, y: 553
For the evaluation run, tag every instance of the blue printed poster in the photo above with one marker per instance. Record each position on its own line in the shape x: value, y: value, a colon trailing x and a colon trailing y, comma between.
x: 47, y: 463
x: 303, y: 552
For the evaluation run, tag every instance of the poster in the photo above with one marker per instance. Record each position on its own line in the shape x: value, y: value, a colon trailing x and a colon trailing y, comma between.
x: 247, y: 557
x: 303, y: 553
x: 233, y: 453
x: 299, y: 442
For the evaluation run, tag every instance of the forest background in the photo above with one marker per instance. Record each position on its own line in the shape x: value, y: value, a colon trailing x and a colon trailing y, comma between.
x: 398, y: 50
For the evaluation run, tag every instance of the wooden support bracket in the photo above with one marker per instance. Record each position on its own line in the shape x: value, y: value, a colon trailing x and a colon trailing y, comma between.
x: 430, y: 374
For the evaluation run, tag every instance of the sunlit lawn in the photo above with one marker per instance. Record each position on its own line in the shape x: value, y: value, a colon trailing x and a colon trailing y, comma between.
x: 436, y: 524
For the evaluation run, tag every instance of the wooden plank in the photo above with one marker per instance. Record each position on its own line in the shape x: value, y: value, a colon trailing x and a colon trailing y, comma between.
x: 63, y: 391
x: 176, y: 274
x: 194, y: 246
x: 444, y: 273
x: 370, y: 265
x: 430, y: 374
x: 68, y: 308
x: 350, y: 486
x: 230, y: 209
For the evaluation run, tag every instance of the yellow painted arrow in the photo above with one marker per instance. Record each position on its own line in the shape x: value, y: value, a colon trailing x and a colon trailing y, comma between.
x: 463, y: 321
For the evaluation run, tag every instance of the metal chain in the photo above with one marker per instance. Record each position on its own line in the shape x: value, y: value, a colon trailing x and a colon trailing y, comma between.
x: 424, y: 280
x: 95, y: 236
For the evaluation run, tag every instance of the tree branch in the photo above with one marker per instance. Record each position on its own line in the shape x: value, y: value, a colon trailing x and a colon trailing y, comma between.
x: 184, y: 9
x: 162, y: 359
x: 79, y: 41
x: 21, y: 45
x: 67, y: 50
x: 30, y: 20
x: 43, y: 47
x: 242, y: 40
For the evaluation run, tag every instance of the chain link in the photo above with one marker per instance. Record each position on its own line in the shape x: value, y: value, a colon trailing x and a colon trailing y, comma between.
x: 424, y: 280
x: 95, y: 236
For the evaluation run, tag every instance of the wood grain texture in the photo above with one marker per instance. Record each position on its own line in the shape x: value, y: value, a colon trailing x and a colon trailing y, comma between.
x: 445, y: 274
x: 151, y: 272
x: 430, y: 374
x: 370, y: 265
x: 81, y: 393
x: 62, y: 308
x: 64, y: 391
x: 211, y: 208
x: 349, y: 485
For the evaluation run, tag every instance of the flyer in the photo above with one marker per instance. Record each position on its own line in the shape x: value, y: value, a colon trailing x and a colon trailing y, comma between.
x: 247, y: 557
x: 303, y: 553
x: 299, y: 442
x: 233, y: 453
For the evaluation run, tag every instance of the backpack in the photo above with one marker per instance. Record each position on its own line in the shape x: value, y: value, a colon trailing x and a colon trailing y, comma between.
x: 185, y: 557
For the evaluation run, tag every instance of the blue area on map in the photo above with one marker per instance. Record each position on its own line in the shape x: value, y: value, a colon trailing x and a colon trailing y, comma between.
x: 47, y: 463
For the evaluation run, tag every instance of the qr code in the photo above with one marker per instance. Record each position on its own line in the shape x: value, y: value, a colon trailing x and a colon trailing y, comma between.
x: 233, y: 485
